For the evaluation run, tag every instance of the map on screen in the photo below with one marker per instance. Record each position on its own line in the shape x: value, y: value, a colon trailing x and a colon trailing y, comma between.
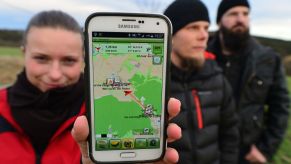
x: 127, y: 82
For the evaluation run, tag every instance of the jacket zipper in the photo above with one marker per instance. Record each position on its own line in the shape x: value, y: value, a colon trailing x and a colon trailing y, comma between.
x: 198, y: 109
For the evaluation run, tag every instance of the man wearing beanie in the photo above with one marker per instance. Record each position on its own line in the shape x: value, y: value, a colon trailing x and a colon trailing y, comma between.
x: 208, y: 119
x: 256, y: 75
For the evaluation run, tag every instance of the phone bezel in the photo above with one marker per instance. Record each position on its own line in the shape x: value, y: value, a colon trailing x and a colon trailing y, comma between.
x: 88, y: 70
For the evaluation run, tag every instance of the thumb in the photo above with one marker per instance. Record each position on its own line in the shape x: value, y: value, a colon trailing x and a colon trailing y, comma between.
x: 80, y: 133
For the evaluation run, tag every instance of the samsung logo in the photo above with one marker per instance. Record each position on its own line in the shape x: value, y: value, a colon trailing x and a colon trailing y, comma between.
x: 127, y: 26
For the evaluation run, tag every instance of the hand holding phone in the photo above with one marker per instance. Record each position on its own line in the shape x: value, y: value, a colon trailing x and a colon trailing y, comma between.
x: 80, y: 133
x: 127, y: 56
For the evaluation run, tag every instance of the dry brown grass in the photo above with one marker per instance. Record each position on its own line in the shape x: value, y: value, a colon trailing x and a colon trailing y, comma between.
x: 10, y: 66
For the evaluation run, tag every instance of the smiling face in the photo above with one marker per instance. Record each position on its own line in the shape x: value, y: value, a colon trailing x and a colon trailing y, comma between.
x: 53, y: 57
x: 189, y: 44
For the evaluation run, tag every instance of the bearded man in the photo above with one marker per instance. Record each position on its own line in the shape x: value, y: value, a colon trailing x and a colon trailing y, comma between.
x: 256, y: 75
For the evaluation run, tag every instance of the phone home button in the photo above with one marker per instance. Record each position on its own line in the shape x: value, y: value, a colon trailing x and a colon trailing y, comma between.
x: 127, y: 155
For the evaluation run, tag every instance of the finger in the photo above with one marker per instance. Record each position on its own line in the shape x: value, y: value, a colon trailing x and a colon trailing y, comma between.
x: 174, y: 106
x: 171, y: 156
x: 249, y: 157
x: 173, y: 132
x: 80, y: 133
x: 258, y: 154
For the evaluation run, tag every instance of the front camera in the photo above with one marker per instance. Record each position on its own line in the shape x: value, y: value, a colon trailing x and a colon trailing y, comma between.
x: 158, y: 23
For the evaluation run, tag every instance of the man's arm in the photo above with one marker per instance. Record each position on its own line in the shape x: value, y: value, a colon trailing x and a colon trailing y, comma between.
x: 228, y: 132
x: 278, y: 102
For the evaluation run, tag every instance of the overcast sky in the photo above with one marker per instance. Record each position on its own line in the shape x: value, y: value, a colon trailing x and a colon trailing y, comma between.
x: 269, y: 18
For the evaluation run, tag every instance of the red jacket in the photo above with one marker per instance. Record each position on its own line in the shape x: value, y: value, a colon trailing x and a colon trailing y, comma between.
x: 15, y: 146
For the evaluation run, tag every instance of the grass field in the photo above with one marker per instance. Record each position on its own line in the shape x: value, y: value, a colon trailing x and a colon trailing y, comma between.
x: 10, y: 51
x: 283, y: 155
x: 11, y: 63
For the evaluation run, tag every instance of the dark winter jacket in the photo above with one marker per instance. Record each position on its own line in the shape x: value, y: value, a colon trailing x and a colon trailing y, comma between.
x: 16, y: 148
x: 263, y: 101
x: 207, y: 118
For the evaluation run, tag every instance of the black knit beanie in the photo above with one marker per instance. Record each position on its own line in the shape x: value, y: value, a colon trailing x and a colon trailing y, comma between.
x: 227, y: 4
x: 183, y: 12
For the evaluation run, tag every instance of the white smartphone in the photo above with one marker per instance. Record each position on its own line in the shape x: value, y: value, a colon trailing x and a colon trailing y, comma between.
x: 127, y: 60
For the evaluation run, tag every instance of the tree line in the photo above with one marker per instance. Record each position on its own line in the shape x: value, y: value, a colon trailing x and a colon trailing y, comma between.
x: 13, y: 38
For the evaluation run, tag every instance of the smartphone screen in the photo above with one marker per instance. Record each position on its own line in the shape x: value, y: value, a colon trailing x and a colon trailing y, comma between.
x: 127, y: 67
x: 128, y: 81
